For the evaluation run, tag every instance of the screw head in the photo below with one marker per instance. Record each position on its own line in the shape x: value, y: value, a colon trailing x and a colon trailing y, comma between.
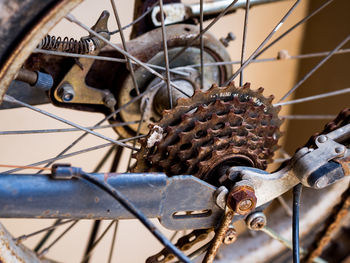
x: 322, y: 139
x: 339, y: 149
x: 230, y: 236
x: 256, y: 221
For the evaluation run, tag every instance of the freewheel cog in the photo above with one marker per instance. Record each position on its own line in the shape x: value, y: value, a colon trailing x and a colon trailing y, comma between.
x: 219, y: 127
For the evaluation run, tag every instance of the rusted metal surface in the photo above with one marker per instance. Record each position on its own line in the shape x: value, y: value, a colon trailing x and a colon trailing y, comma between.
x: 332, y: 223
x: 242, y: 199
x: 240, y: 106
x: 177, y: 37
x: 219, y: 237
x: 76, y: 77
x: 27, y: 76
x: 229, y: 125
x: 184, y: 243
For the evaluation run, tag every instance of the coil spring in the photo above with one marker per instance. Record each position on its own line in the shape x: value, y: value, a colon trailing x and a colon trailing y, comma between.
x: 71, y: 45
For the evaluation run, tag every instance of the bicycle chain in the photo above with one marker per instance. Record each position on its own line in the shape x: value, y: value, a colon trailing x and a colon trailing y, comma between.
x: 201, y: 132
x: 322, y: 239
x: 340, y: 210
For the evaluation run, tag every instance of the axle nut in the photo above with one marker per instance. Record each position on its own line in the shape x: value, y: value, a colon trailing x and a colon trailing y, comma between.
x: 242, y: 199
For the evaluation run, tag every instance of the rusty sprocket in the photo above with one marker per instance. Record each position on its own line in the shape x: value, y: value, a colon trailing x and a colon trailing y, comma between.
x: 231, y: 125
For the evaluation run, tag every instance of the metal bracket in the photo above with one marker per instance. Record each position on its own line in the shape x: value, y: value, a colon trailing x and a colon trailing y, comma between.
x: 316, y: 168
x: 73, y: 88
x: 180, y: 202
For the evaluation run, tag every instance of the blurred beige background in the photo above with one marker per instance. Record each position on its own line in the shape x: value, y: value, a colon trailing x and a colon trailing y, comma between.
x: 134, y: 243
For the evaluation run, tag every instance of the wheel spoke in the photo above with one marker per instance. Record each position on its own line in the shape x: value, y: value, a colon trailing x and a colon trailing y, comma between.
x: 285, y: 206
x: 201, y: 42
x: 61, y: 154
x: 111, y: 250
x: 45, y: 250
x: 66, y: 129
x: 124, y: 46
x: 309, y: 74
x: 274, y: 30
x: 10, y: 99
x: 166, y: 55
x: 315, y: 97
x: 118, y: 196
x: 245, y: 28
x: 236, y: 62
x: 144, y: 106
x: 274, y: 235
x: 309, y: 117
x: 294, y: 27
x: 72, y: 19
x: 93, y: 246
x: 64, y: 156
x: 55, y: 225
x: 118, y: 60
x: 136, y: 20
x: 216, y: 19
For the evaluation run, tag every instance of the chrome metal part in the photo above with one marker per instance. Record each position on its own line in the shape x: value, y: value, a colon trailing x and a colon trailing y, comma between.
x: 221, y: 196
x: 178, y: 12
x: 66, y: 92
x: 329, y: 147
x: 256, y: 221
x: 188, y: 81
x: 156, y: 195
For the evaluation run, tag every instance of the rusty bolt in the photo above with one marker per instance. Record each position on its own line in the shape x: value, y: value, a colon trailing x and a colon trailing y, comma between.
x: 256, y: 221
x: 230, y: 235
x: 242, y: 199
x: 226, y: 40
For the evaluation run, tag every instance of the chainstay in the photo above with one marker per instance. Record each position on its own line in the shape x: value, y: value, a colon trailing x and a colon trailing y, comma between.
x: 339, y: 211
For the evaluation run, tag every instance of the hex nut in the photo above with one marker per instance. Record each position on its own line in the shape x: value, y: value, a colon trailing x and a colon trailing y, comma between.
x: 242, y: 199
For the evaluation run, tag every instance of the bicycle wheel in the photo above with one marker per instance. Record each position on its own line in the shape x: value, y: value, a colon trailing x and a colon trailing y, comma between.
x: 32, y: 25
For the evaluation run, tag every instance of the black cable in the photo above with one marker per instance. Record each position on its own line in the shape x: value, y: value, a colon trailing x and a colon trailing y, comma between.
x: 296, y: 204
x: 137, y: 213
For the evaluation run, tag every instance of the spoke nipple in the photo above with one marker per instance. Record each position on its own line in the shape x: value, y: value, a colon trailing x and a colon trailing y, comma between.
x: 283, y: 54
x: 226, y: 40
x: 256, y: 221
x: 230, y: 235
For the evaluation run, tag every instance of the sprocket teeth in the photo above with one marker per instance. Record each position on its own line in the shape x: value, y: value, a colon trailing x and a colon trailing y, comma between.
x: 246, y: 86
x: 270, y: 98
x: 232, y: 84
x: 224, y: 114
x: 260, y: 90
